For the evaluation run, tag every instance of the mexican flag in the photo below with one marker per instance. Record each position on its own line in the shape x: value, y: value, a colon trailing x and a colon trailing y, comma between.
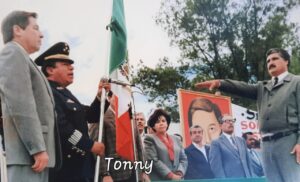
x: 118, y: 70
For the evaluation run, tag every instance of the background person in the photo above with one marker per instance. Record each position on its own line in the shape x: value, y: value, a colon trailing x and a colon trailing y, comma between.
x: 198, y: 155
x: 256, y: 163
x: 228, y: 155
x: 166, y: 151
x: 140, y: 120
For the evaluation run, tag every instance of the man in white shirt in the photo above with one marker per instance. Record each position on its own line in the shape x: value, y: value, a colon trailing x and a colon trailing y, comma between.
x: 197, y: 154
x: 278, y: 104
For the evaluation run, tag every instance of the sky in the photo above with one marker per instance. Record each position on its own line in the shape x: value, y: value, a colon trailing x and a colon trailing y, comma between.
x: 82, y: 25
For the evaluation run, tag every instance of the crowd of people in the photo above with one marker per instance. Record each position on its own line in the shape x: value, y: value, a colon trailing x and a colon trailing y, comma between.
x: 47, y: 136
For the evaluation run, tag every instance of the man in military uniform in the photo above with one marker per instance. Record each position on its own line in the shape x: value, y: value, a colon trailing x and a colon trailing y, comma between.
x: 72, y: 116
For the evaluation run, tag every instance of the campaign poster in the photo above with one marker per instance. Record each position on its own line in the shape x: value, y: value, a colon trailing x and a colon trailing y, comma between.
x: 246, y: 121
x: 203, y: 109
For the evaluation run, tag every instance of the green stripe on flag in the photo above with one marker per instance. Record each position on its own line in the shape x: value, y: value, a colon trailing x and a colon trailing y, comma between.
x: 118, y: 47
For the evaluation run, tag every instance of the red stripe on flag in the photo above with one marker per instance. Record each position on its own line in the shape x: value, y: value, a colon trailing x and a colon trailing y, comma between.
x: 124, y: 143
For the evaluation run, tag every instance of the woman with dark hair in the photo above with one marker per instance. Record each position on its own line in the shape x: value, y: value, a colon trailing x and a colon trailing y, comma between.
x: 166, y: 151
x: 206, y: 114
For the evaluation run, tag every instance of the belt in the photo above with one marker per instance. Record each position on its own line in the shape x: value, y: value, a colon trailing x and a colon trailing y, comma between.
x: 278, y: 135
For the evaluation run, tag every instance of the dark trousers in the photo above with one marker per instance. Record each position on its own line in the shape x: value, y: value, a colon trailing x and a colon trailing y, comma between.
x: 131, y: 179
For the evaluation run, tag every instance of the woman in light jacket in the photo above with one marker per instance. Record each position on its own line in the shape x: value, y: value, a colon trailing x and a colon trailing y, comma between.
x: 166, y: 151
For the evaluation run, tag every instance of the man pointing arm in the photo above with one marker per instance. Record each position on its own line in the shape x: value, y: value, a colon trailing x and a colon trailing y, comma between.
x: 278, y: 103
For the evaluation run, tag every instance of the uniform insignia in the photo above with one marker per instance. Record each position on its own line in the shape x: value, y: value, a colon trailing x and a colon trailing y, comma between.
x: 70, y: 101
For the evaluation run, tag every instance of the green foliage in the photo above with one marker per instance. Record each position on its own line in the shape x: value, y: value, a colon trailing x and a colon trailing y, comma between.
x: 160, y: 84
x: 219, y: 39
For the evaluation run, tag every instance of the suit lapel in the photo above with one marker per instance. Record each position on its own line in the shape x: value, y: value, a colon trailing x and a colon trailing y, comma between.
x: 255, y: 158
x: 65, y: 92
x: 228, y: 145
x: 176, y: 152
x: 45, y: 81
x: 68, y: 94
x: 240, y: 147
x: 28, y: 59
x: 199, y: 152
x: 207, y: 151
x: 268, y: 85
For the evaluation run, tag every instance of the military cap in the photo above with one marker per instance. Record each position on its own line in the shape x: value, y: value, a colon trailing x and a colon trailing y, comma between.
x: 58, y: 52
x: 154, y: 117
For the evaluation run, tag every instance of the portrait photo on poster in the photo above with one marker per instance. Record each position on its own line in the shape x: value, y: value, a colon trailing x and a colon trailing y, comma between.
x: 203, y: 109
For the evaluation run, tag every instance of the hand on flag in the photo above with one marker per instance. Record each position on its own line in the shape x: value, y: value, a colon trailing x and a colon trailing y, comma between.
x: 98, y: 148
x: 103, y: 84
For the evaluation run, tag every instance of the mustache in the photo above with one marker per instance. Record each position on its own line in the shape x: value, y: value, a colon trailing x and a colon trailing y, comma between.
x: 272, y: 66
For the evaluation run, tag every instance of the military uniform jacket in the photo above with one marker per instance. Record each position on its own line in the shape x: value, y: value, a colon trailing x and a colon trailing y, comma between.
x: 278, y: 106
x: 72, y: 116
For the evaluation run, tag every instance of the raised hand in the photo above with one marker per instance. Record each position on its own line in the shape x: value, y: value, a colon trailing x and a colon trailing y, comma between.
x: 211, y: 84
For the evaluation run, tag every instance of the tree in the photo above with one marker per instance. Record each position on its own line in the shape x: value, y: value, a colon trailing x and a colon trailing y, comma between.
x: 223, y: 39
x: 160, y: 84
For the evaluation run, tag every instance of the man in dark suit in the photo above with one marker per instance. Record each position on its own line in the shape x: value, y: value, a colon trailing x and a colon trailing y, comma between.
x: 197, y: 154
x: 278, y: 103
x: 72, y: 116
x: 256, y: 163
x: 228, y: 155
x: 27, y: 102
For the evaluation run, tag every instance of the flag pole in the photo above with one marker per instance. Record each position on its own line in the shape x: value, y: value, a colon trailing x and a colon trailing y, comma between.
x: 100, y: 133
x: 134, y: 136
x: 103, y: 97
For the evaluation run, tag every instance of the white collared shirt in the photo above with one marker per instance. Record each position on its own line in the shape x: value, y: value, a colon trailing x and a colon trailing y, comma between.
x: 280, y: 77
x: 201, y: 149
x: 229, y: 138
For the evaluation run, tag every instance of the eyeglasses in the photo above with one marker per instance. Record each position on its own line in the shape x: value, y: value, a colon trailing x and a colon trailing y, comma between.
x: 229, y: 120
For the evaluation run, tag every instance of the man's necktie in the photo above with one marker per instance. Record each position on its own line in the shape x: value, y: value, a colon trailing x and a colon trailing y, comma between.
x: 254, y: 156
x: 275, y: 81
x: 233, y: 142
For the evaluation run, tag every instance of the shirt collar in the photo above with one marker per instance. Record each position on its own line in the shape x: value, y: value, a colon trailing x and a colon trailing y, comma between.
x: 227, y: 136
x: 197, y: 146
x: 281, y: 76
